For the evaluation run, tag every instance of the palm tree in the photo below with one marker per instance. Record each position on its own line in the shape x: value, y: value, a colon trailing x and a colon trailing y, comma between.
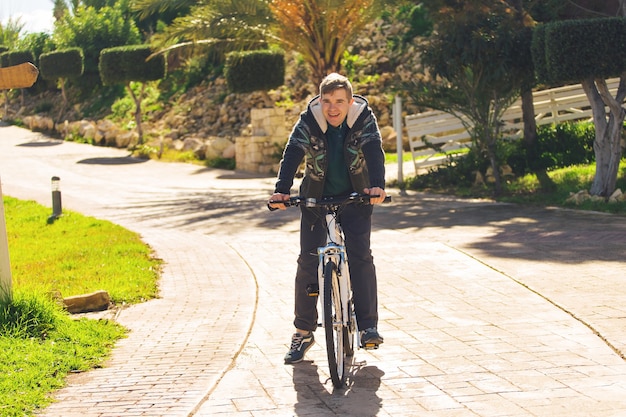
x: 322, y: 30
x: 10, y: 32
x: 212, y: 27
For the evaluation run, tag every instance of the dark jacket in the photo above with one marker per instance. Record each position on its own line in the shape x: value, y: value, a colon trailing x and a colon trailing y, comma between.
x: 363, y: 151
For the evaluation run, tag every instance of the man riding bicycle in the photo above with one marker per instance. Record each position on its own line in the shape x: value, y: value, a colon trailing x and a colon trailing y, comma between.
x: 339, y: 138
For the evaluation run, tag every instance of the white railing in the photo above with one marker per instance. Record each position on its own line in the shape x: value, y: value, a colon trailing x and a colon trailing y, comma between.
x: 448, y: 133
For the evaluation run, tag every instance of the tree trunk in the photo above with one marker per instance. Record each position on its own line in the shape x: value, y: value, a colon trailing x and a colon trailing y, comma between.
x: 64, y: 104
x: 530, y: 140
x: 495, y: 167
x: 607, y: 143
x: 137, y: 100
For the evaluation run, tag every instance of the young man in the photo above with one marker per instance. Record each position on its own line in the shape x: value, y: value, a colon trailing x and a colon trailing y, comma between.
x: 339, y: 139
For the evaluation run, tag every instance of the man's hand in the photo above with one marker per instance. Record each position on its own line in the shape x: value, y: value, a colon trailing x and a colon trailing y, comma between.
x: 377, y: 191
x: 278, y: 197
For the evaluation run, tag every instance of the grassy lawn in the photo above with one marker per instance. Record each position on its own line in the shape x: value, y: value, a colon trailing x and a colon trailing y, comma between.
x: 526, y: 189
x: 40, y: 342
x: 76, y: 255
x: 570, y: 180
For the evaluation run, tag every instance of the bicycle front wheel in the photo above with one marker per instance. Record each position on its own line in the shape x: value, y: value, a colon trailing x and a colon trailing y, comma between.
x: 336, y: 331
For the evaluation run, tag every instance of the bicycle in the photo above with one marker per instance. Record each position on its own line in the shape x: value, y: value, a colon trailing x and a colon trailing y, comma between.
x: 338, y: 317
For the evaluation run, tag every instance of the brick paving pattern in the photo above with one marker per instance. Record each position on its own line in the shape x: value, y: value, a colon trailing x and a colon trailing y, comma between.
x: 487, y: 309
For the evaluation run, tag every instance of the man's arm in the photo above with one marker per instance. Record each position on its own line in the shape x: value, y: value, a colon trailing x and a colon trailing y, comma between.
x: 292, y: 156
x: 375, y: 159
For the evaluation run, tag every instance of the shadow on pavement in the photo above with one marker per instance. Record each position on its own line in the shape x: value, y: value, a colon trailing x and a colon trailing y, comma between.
x: 493, y: 229
x: 358, y: 398
x: 41, y: 143
x: 116, y: 160
x: 510, y: 230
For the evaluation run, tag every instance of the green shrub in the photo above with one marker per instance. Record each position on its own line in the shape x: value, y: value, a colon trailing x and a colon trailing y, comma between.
x: 558, y: 146
x: 19, y: 57
x: 66, y: 63
x: 221, y: 163
x: 123, y: 64
x: 93, y: 30
x: 578, y: 49
x: 458, y: 172
x: 250, y: 71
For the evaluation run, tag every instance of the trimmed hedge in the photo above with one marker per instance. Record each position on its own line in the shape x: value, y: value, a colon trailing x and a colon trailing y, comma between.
x: 259, y: 70
x: 8, y: 59
x: 66, y: 63
x: 577, y: 49
x: 123, y: 64
x: 3, y: 49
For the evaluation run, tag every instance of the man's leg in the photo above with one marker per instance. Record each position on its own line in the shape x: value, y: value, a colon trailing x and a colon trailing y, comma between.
x: 357, y: 226
x: 312, y: 236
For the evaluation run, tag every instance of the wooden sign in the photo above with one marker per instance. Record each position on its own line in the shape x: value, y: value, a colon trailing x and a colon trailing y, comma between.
x: 18, y: 76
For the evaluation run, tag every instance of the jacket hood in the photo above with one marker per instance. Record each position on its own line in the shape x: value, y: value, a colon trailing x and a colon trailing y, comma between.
x: 358, y: 106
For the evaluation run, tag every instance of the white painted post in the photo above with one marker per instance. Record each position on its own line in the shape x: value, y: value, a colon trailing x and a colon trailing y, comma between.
x: 397, y: 125
x: 6, y: 283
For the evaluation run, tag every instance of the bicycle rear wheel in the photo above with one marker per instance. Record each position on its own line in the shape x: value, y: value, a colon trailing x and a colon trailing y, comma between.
x: 336, y: 332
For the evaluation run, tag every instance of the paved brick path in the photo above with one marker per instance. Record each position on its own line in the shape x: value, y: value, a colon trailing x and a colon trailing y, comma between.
x: 487, y: 309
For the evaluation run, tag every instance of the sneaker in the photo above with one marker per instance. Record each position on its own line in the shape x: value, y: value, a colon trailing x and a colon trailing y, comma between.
x: 300, y: 344
x: 370, y: 339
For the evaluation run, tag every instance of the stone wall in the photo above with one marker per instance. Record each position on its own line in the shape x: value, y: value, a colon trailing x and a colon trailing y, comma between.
x: 260, y: 149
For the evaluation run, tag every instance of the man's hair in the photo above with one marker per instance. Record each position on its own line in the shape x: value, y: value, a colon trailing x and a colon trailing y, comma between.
x: 334, y: 82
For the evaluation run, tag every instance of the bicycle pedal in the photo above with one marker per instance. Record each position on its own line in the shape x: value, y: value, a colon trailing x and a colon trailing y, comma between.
x: 313, y: 290
x: 370, y: 346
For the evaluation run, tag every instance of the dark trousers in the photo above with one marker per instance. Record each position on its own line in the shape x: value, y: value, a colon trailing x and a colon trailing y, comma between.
x: 356, y: 221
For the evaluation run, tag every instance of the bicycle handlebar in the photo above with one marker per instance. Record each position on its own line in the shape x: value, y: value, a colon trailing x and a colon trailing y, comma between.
x: 353, y: 198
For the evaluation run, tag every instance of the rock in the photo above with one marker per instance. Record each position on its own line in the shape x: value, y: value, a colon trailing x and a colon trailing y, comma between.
x: 579, y: 197
x: 229, y: 152
x: 220, y: 144
x: 192, y: 144
x: 617, y: 196
x: 125, y: 139
x: 389, y: 137
x: 96, y: 301
x: 86, y: 129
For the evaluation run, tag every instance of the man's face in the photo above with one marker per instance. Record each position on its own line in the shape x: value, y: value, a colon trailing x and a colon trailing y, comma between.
x: 335, y: 106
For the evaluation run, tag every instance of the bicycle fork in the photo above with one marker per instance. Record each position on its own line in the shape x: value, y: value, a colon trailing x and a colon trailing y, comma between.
x: 336, y: 254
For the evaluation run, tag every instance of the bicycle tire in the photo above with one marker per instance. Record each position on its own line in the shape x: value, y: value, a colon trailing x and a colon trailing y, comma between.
x: 348, y: 340
x: 333, y: 325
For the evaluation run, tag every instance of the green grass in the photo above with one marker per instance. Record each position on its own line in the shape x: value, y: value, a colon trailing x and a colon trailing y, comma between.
x: 407, y: 156
x: 40, y: 342
x: 40, y: 345
x: 527, y: 189
x: 77, y: 255
x: 570, y: 180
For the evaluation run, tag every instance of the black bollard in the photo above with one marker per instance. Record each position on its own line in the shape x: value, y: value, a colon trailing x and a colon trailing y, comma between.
x: 57, y: 210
